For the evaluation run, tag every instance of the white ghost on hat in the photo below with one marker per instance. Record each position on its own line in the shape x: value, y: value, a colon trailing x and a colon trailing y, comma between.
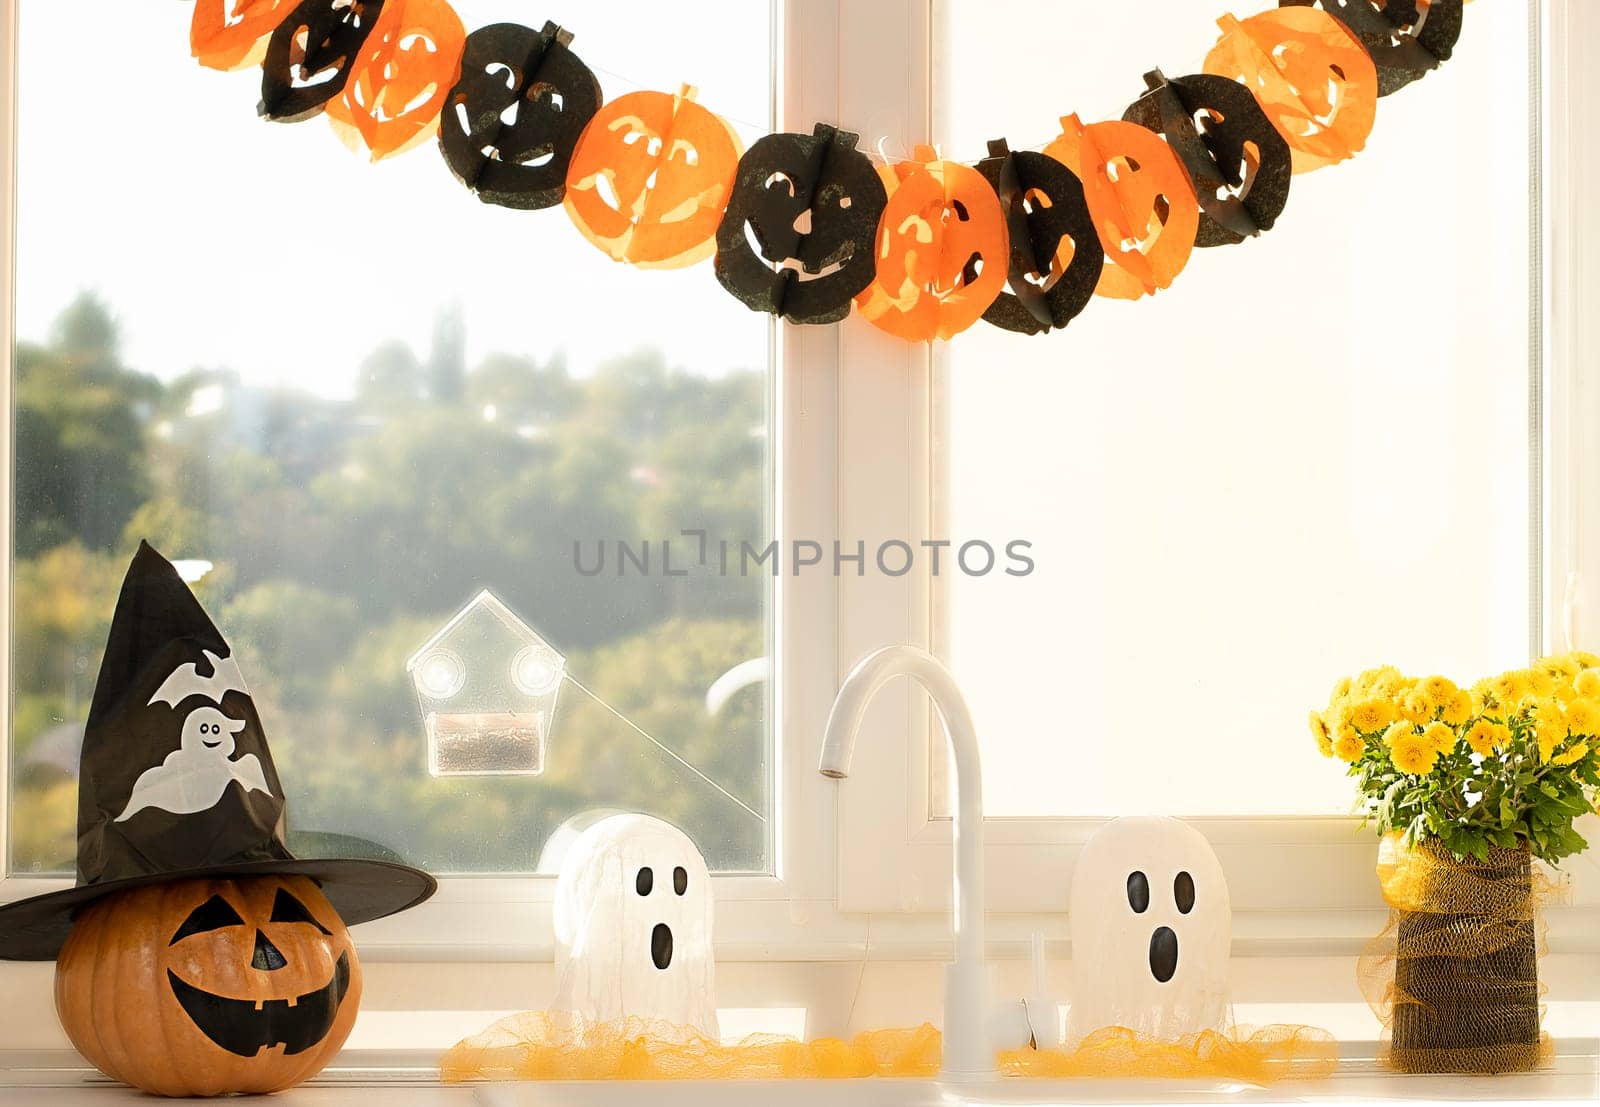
x: 633, y: 924
x: 194, y: 776
x: 1151, y: 926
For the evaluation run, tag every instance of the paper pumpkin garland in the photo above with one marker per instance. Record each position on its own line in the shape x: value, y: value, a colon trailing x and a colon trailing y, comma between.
x: 311, y: 54
x: 405, y: 72
x: 1406, y: 38
x: 802, y: 226
x: 785, y: 182
x: 1056, y: 257
x: 514, y: 118
x: 232, y: 34
x: 943, y: 252
x: 252, y: 981
x: 651, y: 177
x: 1313, y: 78
x: 1240, y: 165
x: 1142, y: 201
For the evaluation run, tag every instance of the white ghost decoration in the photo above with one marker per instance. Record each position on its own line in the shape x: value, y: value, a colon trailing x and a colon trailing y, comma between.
x: 193, y: 777
x: 1151, y: 927
x: 633, y: 924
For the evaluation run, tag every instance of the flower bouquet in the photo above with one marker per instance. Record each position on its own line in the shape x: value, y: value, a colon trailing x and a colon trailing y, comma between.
x: 1468, y: 786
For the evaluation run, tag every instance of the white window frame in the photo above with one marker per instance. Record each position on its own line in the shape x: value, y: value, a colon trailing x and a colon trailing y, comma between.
x: 856, y: 423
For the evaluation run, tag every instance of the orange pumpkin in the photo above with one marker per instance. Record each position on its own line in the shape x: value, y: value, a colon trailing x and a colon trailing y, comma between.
x: 943, y: 250
x: 1314, y: 79
x: 1142, y: 200
x: 650, y: 179
x: 406, y: 70
x: 210, y: 986
x: 232, y: 34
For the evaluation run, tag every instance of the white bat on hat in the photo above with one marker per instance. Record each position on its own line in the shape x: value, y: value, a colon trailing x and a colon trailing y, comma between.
x: 186, y: 681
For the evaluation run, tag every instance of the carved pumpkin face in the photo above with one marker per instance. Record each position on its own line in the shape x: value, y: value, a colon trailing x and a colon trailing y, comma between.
x: 797, y: 237
x: 651, y: 178
x: 1405, y: 38
x: 207, y: 987
x: 943, y: 251
x: 311, y: 54
x: 1314, y: 80
x: 1056, y: 256
x: 232, y: 34
x: 514, y: 117
x: 405, y: 72
x: 1240, y: 164
x: 1142, y: 200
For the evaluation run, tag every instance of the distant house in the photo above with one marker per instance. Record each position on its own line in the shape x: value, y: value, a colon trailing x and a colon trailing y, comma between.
x: 487, y: 685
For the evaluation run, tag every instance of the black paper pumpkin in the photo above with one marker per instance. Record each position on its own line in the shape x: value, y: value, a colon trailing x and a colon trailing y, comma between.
x: 311, y: 54
x: 1047, y: 216
x: 1406, y: 38
x: 798, y: 234
x: 513, y: 119
x: 1240, y: 164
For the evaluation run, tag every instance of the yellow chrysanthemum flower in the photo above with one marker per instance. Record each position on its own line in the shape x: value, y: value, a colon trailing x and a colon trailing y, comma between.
x: 1549, y: 733
x: 1573, y: 756
x: 1510, y: 689
x: 1413, y: 753
x: 1563, y: 667
x: 1415, y: 707
x: 1398, y: 730
x: 1583, y: 717
x: 1484, y: 736
x: 1438, y: 690
x: 1585, y: 659
x: 1372, y: 715
x: 1349, y: 747
x: 1440, y: 737
x: 1341, y: 690
x: 1541, y: 682
x: 1319, y: 731
x: 1587, y: 683
x: 1458, y: 710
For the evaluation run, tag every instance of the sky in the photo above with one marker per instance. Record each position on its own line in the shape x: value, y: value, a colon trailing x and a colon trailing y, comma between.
x: 223, y: 241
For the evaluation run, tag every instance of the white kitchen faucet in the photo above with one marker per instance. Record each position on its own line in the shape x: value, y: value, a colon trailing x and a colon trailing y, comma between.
x: 968, y: 1052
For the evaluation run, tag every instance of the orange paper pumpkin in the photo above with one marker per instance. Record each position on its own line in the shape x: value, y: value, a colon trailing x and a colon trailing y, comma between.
x: 210, y: 986
x: 943, y: 250
x: 1314, y: 79
x: 650, y: 179
x: 1142, y: 200
x: 400, y: 83
x: 232, y: 34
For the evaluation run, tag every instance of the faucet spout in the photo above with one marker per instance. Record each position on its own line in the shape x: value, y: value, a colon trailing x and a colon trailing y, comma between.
x: 967, y: 1050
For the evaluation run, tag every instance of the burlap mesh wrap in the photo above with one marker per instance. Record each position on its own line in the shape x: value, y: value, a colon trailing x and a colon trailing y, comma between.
x: 1454, y: 976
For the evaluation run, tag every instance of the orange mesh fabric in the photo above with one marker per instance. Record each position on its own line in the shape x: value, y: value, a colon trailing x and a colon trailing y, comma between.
x: 1454, y: 975
x: 1265, y: 1056
x: 539, y: 1045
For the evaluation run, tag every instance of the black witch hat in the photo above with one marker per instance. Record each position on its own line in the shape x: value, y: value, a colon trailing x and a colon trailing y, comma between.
x: 176, y: 779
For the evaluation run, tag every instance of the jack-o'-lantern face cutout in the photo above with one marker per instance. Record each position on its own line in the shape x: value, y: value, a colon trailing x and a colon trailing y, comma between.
x: 515, y: 116
x: 1142, y: 200
x: 1312, y: 77
x: 1406, y: 39
x: 942, y: 250
x: 651, y: 178
x: 311, y: 54
x: 797, y: 237
x: 405, y: 72
x: 201, y: 987
x: 232, y: 34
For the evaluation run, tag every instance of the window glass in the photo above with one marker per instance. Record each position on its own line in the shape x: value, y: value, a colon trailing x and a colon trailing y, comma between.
x: 363, y: 397
x: 1308, y: 457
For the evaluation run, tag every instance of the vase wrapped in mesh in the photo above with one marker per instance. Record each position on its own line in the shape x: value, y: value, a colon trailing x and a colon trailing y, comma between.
x: 1454, y: 976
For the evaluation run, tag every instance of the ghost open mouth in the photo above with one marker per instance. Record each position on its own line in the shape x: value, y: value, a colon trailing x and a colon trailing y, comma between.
x: 246, y: 1027
x: 1163, y: 954
x: 661, y: 946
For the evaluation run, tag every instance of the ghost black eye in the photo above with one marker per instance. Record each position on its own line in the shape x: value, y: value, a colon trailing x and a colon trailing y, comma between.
x: 1138, y: 892
x: 1183, y: 892
x: 680, y: 880
x: 287, y: 909
x: 214, y: 914
x: 645, y: 881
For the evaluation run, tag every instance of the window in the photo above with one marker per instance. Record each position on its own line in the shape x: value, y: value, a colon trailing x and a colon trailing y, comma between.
x: 350, y: 397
